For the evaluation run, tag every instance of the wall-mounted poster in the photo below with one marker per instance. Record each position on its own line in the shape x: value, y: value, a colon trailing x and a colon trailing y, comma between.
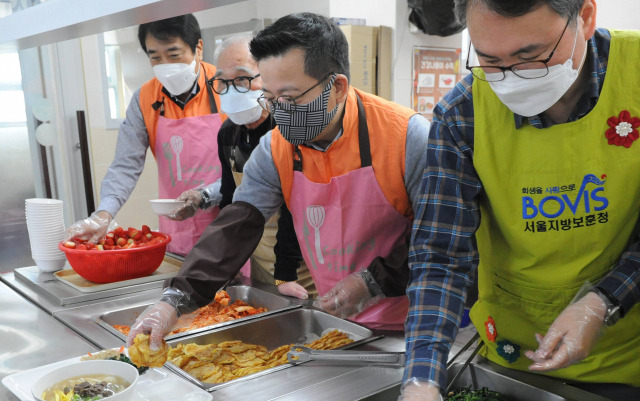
x: 435, y: 72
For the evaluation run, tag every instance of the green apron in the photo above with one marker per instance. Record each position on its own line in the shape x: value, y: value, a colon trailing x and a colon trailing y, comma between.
x: 560, y: 207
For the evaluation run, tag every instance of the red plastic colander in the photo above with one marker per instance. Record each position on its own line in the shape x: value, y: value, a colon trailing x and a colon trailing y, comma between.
x: 118, y: 264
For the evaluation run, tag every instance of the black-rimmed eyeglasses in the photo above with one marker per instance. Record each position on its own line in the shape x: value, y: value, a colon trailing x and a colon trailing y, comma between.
x: 242, y: 84
x: 286, y: 103
x: 526, y: 69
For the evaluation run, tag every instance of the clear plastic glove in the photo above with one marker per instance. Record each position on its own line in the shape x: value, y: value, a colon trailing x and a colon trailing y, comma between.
x: 351, y: 295
x: 416, y: 390
x: 192, y: 201
x: 293, y: 289
x: 157, y: 320
x: 91, y: 229
x: 571, y: 336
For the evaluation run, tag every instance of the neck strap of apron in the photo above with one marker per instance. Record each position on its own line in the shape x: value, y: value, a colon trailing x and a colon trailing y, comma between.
x: 363, y: 141
x: 234, y: 146
x: 212, y: 100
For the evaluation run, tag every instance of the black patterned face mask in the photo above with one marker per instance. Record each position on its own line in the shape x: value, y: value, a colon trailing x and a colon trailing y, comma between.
x: 299, y: 124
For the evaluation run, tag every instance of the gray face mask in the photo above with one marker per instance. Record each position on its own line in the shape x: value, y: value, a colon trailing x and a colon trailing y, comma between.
x: 307, y: 121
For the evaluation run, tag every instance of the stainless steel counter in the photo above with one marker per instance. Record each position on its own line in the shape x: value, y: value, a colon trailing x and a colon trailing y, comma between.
x: 32, y: 331
x: 30, y: 337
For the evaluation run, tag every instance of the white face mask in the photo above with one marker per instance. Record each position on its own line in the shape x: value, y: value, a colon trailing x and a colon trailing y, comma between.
x: 529, y: 97
x: 242, y: 108
x: 177, y: 78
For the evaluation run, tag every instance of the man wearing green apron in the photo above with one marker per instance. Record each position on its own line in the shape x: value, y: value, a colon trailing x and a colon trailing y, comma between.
x: 532, y: 178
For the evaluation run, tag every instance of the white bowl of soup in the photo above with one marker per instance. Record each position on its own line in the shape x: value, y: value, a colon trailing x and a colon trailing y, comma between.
x: 111, y: 380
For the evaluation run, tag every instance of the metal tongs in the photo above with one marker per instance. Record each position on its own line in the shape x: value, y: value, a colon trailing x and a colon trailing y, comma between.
x: 466, y: 363
x: 300, y: 354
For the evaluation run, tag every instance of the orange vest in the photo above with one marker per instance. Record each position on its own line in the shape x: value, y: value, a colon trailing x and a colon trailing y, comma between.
x: 151, y: 92
x: 387, y: 124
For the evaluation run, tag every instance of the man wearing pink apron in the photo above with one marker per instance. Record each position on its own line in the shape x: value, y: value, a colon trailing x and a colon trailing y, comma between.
x: 175, y: 115
x: 348, y: 165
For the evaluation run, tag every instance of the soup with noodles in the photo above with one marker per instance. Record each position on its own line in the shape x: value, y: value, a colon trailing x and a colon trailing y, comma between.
x: 85, y: 388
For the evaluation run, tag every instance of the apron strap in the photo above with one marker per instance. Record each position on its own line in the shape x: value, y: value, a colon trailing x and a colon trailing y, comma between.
x: 297, y: 159
x: 363, y: 136
x: 212, y: 100
x: 363, y: 141
x: 234, y: 146
x: 159, y: 105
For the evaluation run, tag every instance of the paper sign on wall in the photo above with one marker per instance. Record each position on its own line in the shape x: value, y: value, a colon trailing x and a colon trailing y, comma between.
x: 435, y: 72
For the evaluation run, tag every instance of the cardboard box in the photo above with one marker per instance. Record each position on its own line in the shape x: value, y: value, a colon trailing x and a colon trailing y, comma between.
x: 384, y: 62
x: 363, y: 51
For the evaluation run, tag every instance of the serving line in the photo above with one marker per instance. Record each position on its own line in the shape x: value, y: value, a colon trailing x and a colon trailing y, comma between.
x: 314, y: 380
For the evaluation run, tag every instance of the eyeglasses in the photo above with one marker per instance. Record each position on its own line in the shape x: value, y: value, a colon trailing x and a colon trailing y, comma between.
x: 527, y: 69
x: 287, y: 103
x: 242, y: 84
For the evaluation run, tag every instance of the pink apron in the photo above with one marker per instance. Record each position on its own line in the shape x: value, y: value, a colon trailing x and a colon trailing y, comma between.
x: 344, y: 224
x: 187, y: 155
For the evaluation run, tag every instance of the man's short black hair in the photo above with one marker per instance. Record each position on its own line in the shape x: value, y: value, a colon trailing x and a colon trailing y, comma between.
x: 568, y: 9
x: 185, y: 27
x: 325, y: 47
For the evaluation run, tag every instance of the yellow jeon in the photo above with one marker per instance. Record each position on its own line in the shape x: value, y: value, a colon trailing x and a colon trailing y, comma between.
x: 229, y: 360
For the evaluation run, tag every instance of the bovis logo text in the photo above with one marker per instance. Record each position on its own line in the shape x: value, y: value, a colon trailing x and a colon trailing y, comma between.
x: 562, y: 208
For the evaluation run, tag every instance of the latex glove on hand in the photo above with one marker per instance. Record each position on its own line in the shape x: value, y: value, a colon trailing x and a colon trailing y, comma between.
x: 351, y: 295
x: 192, y: 199
x: 415, y: 390
x: 157, y: 320
x: 293, y: 289
x: 92, y: 229
x: 571, y: 336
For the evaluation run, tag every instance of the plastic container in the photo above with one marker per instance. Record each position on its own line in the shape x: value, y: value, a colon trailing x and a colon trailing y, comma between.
x: 119, y: 264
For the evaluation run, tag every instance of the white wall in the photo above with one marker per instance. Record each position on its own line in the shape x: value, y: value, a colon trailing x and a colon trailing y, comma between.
x: 618, y: 14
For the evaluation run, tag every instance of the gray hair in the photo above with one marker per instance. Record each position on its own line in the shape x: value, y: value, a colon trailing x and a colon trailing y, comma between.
x: 511, y: 9
x: 231, y: 41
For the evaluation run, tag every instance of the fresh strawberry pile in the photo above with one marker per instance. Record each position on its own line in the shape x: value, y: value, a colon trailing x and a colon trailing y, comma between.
x: 119, y: 239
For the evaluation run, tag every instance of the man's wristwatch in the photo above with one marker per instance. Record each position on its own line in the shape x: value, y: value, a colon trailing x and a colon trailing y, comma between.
x: 206, y: 200
x: 614, y: 309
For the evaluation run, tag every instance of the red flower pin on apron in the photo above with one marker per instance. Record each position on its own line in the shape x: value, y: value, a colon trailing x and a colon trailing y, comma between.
x: 623, y: 129
x: 492, y: 333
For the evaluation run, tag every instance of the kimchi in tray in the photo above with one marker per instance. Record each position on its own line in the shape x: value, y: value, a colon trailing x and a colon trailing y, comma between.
x: 237, y: 303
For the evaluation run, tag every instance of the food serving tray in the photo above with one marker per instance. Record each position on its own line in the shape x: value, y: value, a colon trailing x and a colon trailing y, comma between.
x: 252, y: 296
x: 478, y: 376
x: 293, y: 327
x: 516, y: 385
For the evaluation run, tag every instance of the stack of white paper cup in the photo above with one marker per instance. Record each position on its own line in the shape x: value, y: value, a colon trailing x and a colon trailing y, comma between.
x: 45, y: 224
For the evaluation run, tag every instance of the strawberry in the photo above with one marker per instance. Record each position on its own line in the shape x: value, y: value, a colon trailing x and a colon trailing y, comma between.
x: 109, y: 241
x: 145, y: 229
x: 81, y: 247
x: 121, y: 241
x: 100, y: 247
x: 90, y: 245
x: 69, y: 244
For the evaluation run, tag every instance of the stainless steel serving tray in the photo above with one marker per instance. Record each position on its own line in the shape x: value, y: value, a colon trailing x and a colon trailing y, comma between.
x: 517, y: 386
x: 477, y: 377
x: 292, y: 327
x: 253, y: 296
